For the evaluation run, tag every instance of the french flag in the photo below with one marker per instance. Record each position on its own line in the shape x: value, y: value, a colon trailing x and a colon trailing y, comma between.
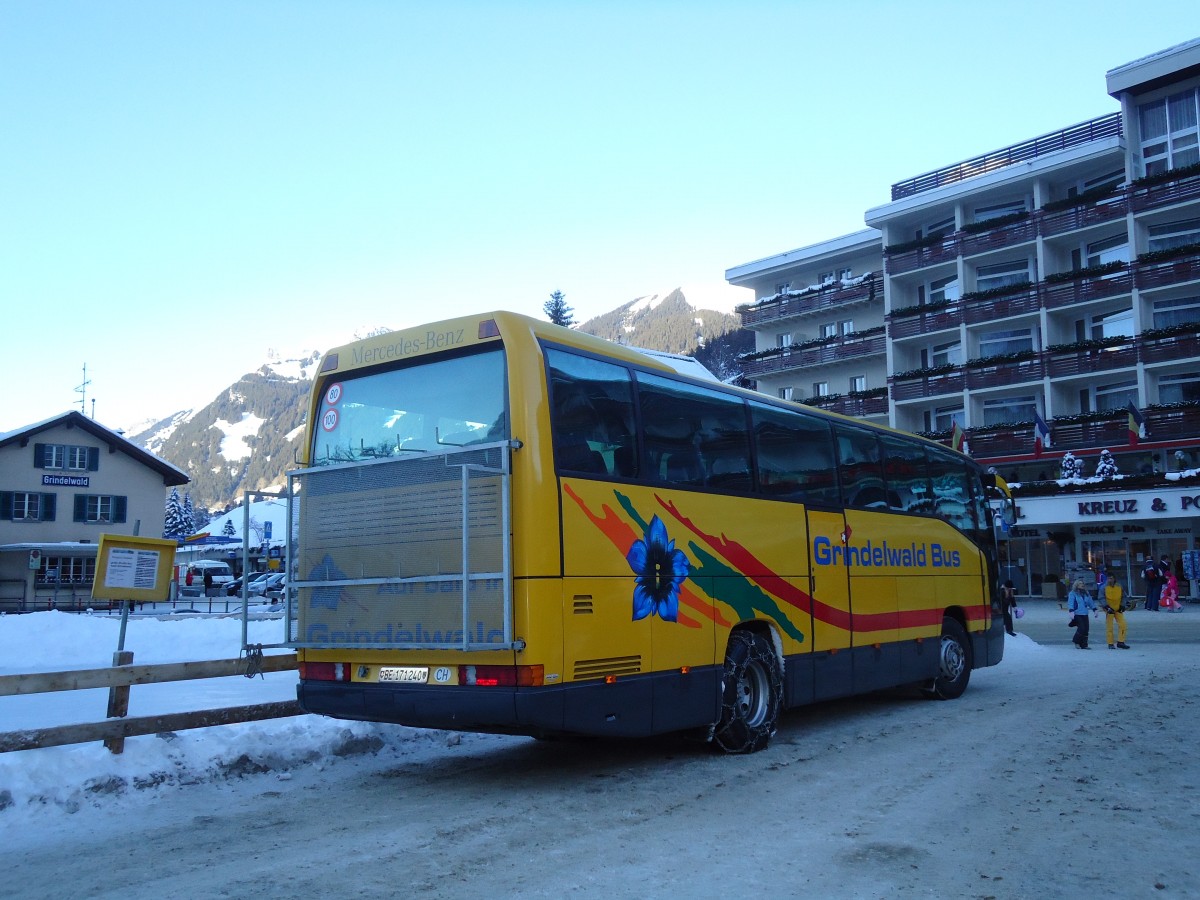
x: 1041, y: 434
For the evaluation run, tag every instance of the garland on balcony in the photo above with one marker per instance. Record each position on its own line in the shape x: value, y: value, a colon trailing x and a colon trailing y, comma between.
x: 826, y: 399
x: 1163, y: 177
x: 926, y: 372
x: 835, y: 285
x: 1107, y: 415
x: 811, y: 344
x: 1002, y: 291
x: 998, y: 222
x: 1155, y: 256
x: 1087, y: 198
x: 920, y: 309
x: 919, y: 244
x: 1092, y: 344
x: 999, y: 359
x: 1086, y: 272
x: 1154, y: 334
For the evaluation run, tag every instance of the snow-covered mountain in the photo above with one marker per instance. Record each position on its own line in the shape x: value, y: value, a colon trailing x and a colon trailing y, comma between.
x: 247, y: 438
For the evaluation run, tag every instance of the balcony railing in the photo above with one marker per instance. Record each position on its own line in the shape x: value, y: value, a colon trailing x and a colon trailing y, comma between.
x: 802, y: 358
x: 1078, y: 217
x: 922, y: 258
x: 863, y: 407
x: 1018, y: 233
x: 814, y: 301
x: 1055, y: 363
x: 1162, y: 425
x: 1083, y: 133
x: 1049, y: 296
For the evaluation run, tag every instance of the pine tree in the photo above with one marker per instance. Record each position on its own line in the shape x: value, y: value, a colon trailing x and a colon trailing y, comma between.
x: 1107, y: 466
x: 229, y: 530
x: 174, y: 523
x: 1071, y: 466
x: 557, y: 311
x: 189, y: 517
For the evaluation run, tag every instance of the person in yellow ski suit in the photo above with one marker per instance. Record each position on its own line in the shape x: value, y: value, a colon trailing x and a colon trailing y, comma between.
x: 1114, y: 599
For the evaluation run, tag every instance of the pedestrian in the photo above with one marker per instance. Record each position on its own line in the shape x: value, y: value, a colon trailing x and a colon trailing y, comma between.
x: 208, y: 582
x: 1114, y: 611
x: 1169, y: 599
x: 1079, y: 604
x: 1154, y: 582
x: 1008, y: 601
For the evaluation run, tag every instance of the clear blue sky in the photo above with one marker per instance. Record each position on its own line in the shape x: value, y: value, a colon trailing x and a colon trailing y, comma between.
x: 184, y: 186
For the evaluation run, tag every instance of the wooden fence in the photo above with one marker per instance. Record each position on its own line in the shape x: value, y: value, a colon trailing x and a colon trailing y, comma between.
x: 119, y: 678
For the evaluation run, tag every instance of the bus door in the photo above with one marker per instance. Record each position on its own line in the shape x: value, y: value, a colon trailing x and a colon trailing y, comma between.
x: 872, y: 548
x: 833, y: 671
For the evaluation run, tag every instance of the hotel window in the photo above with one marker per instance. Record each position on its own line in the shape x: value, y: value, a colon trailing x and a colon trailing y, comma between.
x: 66, y: 569
x: 949, y: 354
x: 1009, y: 409
x: 1110, y: 180
x: 1169, y: 131
x: 1118, y: 323
x: 858, y: 383
x: 1115, y: 396
x: 1179, y: 311
x: 100, y: 508
x: 996, y: 210
x: 1183, y: 387
x: 785, y: 393
x: 1002, y: 275
x: 997, y: 343
x: 938, y: 290
x: 942, y: 226
x: 783, y: 287
x: 1097, y: 253
x: 944, y: 417
x: 829, y: 329
x: 1174, y: 234
x: 783, y: 340
x: 845, y: 327
x: 838, y: 275
x: 820, y: 389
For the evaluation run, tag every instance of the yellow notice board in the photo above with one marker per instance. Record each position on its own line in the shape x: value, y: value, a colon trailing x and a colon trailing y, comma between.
x: 133, y: 568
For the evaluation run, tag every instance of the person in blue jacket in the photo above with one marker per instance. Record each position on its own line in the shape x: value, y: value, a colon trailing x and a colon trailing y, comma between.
x: 1080, y: 605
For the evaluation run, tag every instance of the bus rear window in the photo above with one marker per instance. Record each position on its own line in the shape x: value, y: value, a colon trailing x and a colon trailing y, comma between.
x: 423, y: 408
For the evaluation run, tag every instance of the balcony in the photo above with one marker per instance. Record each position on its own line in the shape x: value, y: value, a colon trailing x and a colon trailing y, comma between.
x: 1077, y: 217
x: 1162, y: 425
x: 1084, y: 290
x: 921, y: 258
x: 850, y: 405
x: 991, y: 309
x: 1060, y: 363
x: 866, y: 343
x: 1164, y: 194
x: 1083, y: 133
x: 1070, y: 364
x: 941, y: 319
x: 1172, y: 271
x: 1008, y: 236
x: 804, y: 302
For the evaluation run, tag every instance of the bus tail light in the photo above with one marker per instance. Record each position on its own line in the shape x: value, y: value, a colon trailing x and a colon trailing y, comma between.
x: 501, y: 676
x: 324, y: 671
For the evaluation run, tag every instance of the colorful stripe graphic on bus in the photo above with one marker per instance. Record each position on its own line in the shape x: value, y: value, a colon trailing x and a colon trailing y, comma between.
x: 732, y: 587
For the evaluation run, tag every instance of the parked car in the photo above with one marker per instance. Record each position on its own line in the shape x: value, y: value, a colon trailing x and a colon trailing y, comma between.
x: 234, y: 588
x: 277, y: 586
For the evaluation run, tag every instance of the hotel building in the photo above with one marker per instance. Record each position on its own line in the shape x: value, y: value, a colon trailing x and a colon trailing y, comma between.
x: 1055, y: 281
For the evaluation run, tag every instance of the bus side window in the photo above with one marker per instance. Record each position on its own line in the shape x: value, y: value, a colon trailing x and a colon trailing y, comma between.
x: 952, y: 499
x: 860, y: 467
x: 905, y: 469
x: 794, y: 455
x: 591, y: 415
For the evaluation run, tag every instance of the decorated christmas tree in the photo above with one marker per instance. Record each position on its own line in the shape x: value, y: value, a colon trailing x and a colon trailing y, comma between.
x: 1107, y: 466
x: 1071, y: 466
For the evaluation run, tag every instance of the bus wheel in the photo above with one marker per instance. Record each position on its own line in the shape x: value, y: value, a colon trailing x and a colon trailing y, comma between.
x: 751, y: 694
x: 954, y: 663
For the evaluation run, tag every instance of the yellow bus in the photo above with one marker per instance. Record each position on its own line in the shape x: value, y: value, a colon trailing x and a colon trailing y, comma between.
x: 502, y: 525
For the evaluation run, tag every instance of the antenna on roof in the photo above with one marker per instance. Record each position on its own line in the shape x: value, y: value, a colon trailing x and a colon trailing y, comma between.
x: 82, y: 389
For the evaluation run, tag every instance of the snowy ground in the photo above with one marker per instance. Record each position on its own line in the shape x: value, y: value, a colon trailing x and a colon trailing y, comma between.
x: 1059, y: 774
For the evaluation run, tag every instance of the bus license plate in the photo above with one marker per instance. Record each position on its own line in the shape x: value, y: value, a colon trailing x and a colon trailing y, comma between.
x: 412, y: 674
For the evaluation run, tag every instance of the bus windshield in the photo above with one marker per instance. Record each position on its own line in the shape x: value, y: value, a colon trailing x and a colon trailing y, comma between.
x: 422, y: 408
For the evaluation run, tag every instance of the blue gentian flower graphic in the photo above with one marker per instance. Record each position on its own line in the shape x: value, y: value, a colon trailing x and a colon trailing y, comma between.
x: 660, y: 570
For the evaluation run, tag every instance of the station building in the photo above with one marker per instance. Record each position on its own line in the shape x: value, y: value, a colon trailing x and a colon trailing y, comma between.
x: 1041, y: 302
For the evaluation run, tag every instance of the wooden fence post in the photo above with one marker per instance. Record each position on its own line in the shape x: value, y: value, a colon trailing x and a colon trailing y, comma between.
x: 118, y: 701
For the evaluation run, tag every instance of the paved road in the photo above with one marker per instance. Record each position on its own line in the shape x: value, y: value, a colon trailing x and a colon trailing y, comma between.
x: 1046, y: 622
